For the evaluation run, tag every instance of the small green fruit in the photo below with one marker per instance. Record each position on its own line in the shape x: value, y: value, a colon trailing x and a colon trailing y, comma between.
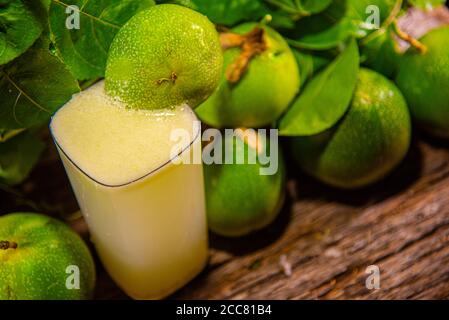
x: 424, y: 81
x: 239, y: 199
x: 163, y: 57
x: 262, y: 94
x: 38, y: 257
x: 372, y: 138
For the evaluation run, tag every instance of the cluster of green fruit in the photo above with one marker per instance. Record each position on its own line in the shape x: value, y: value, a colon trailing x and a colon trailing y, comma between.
x: 239, y: 199
x: 366, y: 143
x: 348, y: 140
x: 363, y: 146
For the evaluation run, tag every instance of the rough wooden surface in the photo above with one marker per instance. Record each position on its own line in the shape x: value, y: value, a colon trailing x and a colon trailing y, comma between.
x: 327, y: 237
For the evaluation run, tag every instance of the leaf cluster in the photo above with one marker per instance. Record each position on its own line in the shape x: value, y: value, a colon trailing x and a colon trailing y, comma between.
x: 45, y: 59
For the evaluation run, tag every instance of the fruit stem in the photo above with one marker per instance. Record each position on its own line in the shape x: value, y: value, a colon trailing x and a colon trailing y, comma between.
x: 386, y: 24
x: 266, y: 20
x: 408, y: 38
x: 5, y: 245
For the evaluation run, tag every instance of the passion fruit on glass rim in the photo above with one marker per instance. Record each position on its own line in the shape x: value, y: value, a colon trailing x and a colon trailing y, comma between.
x: 163, y: 57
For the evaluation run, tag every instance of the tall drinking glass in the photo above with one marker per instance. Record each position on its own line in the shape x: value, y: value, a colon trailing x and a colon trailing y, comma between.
x: 149, y: 228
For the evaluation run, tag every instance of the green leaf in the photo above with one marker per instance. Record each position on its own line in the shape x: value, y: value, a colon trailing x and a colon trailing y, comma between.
x: 186, y: 3
x: 46, y: 4
x: 426, y: 4
x: 340, y: 21
x: 231, y: 12
x: 33, y: 87
x: 329, y: 38
x: 314, y: 6
x: 309, y: 64
x: 85, y: 50
x: 300, y: 8
x: 21, y: 23
x: 357, y: 9
x: 326, y: 97
x: 18, y: 156
x: 324, y: 31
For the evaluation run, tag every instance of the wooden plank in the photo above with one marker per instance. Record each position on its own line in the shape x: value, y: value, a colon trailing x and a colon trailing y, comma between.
x: 401, y: 225
x: 327, y: 236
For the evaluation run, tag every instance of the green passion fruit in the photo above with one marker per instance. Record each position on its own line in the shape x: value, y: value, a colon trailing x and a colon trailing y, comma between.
x: 239, y: 199
x: 38, y: 256
x: 372, y: 138
x: 424, y: 80
x: 263, y: 92
x: 163, y: 57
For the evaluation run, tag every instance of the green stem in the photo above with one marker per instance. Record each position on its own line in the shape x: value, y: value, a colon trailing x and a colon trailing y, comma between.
x: 5, y: 245
x: 265, y: 20
x: 386, y: 24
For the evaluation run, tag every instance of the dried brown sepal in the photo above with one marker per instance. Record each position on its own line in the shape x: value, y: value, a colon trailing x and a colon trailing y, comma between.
x: 252, y: 44
x: 231, y: 40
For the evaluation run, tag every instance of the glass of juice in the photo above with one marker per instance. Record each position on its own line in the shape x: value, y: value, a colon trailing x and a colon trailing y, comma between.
x: 145, y: 213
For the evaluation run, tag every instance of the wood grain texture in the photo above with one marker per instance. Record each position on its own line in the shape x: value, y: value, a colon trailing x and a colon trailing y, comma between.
x: 328, y: 237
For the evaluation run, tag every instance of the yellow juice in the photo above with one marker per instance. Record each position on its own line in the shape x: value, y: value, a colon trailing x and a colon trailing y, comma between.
x: 146, y: 215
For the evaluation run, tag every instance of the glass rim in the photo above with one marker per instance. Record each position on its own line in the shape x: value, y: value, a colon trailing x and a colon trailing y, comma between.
x: 160, y: 167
